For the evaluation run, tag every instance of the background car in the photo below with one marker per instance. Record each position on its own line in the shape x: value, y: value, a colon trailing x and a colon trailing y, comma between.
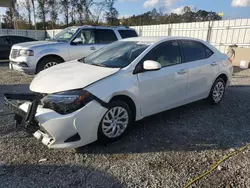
x: 100, y: 96
x: 6, y: 42
x: 71, y: 43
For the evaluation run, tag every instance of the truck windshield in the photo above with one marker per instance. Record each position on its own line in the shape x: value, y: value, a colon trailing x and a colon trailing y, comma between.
x: 65, y: 35
x: 116, y: 55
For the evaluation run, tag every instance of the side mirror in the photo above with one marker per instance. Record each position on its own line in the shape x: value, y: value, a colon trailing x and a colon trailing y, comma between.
x: 150, y: 65
x: 76, y: 41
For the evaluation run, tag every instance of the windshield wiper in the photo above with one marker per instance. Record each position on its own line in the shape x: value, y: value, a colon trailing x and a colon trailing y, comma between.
x: 98, y: 64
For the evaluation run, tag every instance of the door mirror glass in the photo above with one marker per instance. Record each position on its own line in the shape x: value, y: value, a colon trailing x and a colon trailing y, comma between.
x: 150, y: 65
x: 77, y: 41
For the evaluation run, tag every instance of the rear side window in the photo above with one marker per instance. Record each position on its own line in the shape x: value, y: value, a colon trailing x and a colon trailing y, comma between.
x: 105, y: 36
x: 193, y: 51
x: 127, y: 33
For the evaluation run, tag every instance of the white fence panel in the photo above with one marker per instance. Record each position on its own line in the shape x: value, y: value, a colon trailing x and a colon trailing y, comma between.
x: 219, y: 33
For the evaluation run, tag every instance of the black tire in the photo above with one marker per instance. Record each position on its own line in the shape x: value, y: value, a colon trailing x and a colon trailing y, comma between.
x: 41, y: 65
x: 102, y: 137
x: 211, y: 97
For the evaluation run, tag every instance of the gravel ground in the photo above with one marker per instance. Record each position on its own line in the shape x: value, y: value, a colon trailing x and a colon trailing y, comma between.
x: 164, y: 150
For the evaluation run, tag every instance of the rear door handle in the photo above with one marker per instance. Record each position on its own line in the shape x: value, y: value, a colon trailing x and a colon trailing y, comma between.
x: 182, y: 71
x: 214, y: 63
x: 92, y: 48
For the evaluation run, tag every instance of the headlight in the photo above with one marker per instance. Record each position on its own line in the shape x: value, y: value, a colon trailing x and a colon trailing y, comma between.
x: 26, y: 53
x: 68, y: 101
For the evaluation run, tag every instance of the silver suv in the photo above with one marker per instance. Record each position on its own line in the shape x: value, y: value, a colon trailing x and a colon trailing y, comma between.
x: 71, y: 43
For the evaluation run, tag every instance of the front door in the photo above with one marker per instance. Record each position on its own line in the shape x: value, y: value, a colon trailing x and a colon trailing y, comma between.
x: 83, y: 44
x: 166, y: 88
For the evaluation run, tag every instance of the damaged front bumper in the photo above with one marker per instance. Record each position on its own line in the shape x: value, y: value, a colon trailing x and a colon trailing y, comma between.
x: 26, y: 118
x: 55, y: 130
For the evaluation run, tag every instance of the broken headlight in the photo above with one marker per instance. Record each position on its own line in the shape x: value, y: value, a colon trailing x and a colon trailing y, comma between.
x: 68, y: 101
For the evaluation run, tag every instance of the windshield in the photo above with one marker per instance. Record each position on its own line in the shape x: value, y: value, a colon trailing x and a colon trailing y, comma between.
x: 66, y: 34
x: 116, y: 55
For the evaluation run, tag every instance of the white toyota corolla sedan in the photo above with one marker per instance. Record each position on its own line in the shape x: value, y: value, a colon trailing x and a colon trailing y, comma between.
x: 99, y: 97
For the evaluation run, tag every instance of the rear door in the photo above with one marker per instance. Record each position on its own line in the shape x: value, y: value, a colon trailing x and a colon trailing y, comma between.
x: 202, y: 68
x: 5, y: 47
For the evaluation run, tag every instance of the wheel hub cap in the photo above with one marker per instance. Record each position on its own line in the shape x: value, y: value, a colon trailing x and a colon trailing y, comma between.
x: 50, y: 64
x: 115, y: 122
x: 218, y: 91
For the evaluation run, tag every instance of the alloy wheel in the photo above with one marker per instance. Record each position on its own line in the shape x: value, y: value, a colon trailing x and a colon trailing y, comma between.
x: 218, y: 91
x: 115, y: 122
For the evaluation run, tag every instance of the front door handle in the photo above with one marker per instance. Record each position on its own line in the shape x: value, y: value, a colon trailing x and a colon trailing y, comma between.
x: 92, y: 48
x: 182, y: 71
x: 214, y: 63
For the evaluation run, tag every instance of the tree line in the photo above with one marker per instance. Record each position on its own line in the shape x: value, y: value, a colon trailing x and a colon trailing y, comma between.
x: 56, y: 14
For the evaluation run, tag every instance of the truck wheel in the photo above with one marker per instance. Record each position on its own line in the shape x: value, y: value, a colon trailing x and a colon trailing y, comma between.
x: 48, y: 62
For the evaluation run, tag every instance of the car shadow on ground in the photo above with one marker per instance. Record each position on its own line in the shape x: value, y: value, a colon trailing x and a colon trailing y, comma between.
x: 197, y: 126
x: 40, y: 175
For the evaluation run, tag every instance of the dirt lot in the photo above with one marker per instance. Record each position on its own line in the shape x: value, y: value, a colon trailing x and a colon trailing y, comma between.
x: 165, y: 150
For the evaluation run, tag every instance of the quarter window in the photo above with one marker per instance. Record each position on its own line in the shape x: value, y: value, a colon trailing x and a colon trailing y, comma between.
x: 193, y: 51
x: 209, y: 52
x: 127, y: 33
x: 105, y: 36
x: 166, y: 54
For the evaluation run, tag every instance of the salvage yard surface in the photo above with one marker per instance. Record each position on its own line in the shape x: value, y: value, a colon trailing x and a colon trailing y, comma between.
x: 164, y: 150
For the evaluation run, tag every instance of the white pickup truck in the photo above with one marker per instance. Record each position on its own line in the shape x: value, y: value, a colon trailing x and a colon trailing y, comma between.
x: 71, y: 43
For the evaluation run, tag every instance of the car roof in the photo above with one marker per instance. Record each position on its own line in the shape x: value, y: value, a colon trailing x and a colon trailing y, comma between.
x: 103, y: 27
x: 157, y: 39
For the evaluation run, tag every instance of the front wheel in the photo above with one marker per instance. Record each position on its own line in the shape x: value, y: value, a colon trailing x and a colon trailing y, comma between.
x: 48, y: 62
x: 217, y: 91
x: 115, y: 122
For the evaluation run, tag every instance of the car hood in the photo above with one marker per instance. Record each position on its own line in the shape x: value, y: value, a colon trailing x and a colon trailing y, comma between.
x: 69, y: 76
x: 34, y: 44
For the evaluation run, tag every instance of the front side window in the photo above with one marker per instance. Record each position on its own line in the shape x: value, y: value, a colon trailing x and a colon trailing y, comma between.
x: 116, y: 55
x: 167, y: 54
x: 85, y: 37
x: 193, y: 50
x: 65, y: 34
x: 105, y: 36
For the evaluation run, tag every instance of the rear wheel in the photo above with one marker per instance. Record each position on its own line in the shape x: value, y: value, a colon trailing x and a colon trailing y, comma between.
x: 48, y: 62
x: 115, y: 122
x: 217, y: 91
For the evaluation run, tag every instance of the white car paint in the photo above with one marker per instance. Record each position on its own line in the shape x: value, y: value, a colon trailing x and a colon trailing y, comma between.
x: 68, y: 76
x: 151, y: 91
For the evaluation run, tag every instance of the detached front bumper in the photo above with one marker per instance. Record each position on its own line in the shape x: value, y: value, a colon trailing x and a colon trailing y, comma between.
x: 55, y: 130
